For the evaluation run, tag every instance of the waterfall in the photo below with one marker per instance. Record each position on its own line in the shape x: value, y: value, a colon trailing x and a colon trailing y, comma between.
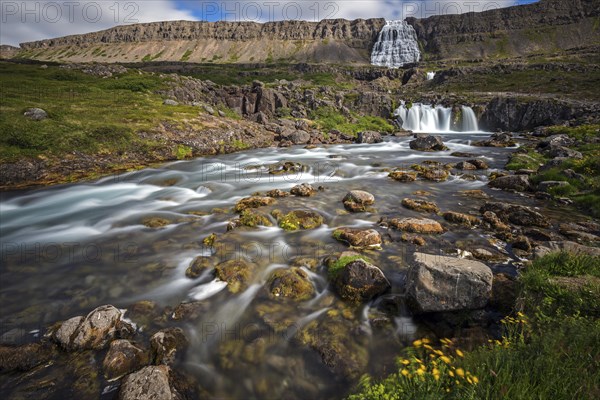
x: 396, y: 45
x: 430, y: 119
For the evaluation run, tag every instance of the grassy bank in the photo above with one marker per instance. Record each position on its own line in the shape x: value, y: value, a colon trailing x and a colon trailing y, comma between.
x: 583, y: 190
x: 86, y: 114
x: 549, y: 349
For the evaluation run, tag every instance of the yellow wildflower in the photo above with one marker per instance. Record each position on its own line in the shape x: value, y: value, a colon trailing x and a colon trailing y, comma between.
x: 420, y: 372
x: 475, y: 380
x: 426, y: 341
x: 451, y: 373
x: 417, y: 343
x: 404, y: 372
x: 405, y: 362
x: 459, y: 353
x: 460, y: 372
x: 445, y: 359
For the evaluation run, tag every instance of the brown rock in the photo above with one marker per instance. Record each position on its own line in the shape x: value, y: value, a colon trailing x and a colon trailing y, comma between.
x: 417, y: 225
x: 420, y: 205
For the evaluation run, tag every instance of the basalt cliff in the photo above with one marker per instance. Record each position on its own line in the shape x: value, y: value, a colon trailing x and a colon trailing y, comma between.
x: 547, y: 25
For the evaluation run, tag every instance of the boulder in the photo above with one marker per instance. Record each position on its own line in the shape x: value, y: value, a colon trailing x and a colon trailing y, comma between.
x: 516, y: 214
x: 555, y: 141
x: 292, y: 283
x: 564, y: 152
x: 369, y: 137
x: 236, y: 273
x: 360, y: 281
x: 497, y: 140
x: 358, y: 200
x: 167, y: 345
x: 518, y: 183
x: 122, y: 358
x: 36, y: 114
x: 277, y: 193
x: 479, y: 164
x: 546, y: 185
x: 253, y: 202
x: 420, y: 205
x: 417, y: 225
x: 151, y: 382
x: 300, y: 219
x: 95, y: 331
x: 300, y: 137
x: 460, y: 218
x: 303, y: 190
x: 170, y: 102
x: 428, y: 143
x: 358, y: 238
x: 465, y: 166
x: 403, y: 176
x: 441, y: 284
x: 434, y: 174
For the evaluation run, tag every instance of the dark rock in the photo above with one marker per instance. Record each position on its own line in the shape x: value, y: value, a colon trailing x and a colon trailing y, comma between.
x: 546, y: 185
x: 555, y: 141
x: 369, y: 137
x: 191, y: 311
x: 494, y: 221
x: 360, y: 281
x: 564, y: 152
x: 466, y: 165
x: 497, y: 140
x: 358, y: 200
x: 479, y: 164
x: 460, y: 218
x: 167, y: 345
x: 123, y: 357
x: 519, y: 183
x: 522, y: 243
x: 438, y: 284
x: 516, y: 214
x: 236, y: 273
x: 199, y: 265
x: 505, y: 290
x: 25, y: 357
x: 151, y: 382
x: 428, y: 143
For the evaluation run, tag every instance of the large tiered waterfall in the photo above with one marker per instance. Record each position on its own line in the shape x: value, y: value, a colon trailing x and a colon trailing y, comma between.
x: 396, y: 45
x: 426, y: 118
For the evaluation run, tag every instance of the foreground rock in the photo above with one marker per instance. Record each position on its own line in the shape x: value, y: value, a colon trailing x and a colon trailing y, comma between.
x: 167, y: 345
x: 369, y: 137
x: 236, y: 273
x: 360, y: 281
x: 303, y: 190
x: 440, y: 284
x: 253, y: 202
x: 358, y: 238
x: 36, y: 114
x: 518, y: 183
x: 358, y: 200
x: 417, y: 225
x: 123, y: 357
x: 25, y: 357
x: 428, y: 143
x: 300, y: 219
x: 93, y: 332
x: 151, y: 382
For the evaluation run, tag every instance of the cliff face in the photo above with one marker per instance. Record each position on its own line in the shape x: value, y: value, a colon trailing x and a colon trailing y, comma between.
x: 542, y: 26
x: 299, y: 41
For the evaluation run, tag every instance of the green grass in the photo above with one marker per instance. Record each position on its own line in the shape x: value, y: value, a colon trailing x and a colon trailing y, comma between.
x: 550, y: 350
x: 186, y: 56
x: 335, y: 268
x: 328, y: 118
x: 530, y: 160
x: 85, y: 113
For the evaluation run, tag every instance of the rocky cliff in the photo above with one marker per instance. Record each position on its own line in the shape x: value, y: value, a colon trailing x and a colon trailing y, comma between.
x: 547, y: 25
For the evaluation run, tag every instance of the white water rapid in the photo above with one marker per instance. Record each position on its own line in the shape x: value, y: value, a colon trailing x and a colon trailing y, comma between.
x: 396, y: 45
x: 436, y: 119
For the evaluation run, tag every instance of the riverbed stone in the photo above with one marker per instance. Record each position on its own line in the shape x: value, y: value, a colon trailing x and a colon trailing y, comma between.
x: 254, y: 202
x: 516, y: 214
x: 434, y: 174
x: 479, y: 164
x: 300, y: 219
x: 236, y: 273
x: 428, y: 143
x: 360, y: 281
x: 199, y: 265
x: 465, y: 166
x: 369, y: 137
x: 277, y: 193
x: 358, y: 200
x: 416, y: 225
x: 25, y: 357
x: 460, y: 218
x: 167, y: 345
x: 420, y: 205
x: 518, y: 183
x: 439, y: 284
x: 150, y: 382
x: 122, y: 358
x: 358, y: 238
x: 303, y: 190
x: 403, y: 176
x: 292, y: 283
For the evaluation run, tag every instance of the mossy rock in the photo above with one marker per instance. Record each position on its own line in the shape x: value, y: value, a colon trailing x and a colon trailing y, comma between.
x: 236, y: 273
x: 403, y: 176
x: 420, y: 205
x: 253, y: 202
x: 199, y: 265
x: 359, y: 238
x: 291, y: 283
x: 251, y: 219
x: 155, y: 222
x: 300, y: 219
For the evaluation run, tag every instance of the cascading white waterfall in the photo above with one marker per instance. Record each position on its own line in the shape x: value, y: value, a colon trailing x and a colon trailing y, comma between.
x: 426, y: 118
x: 396, y: 45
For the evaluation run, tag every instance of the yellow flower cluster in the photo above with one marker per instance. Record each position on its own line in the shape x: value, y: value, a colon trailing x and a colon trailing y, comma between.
x: 429, y: 363
x: 520, y: 319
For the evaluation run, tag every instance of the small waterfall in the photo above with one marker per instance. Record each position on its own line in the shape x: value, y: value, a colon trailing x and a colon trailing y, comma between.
x: 396, y: 45
x: 426, y: 118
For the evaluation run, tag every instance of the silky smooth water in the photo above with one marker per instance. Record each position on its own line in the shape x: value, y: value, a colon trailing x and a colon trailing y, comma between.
x: 68, y: 249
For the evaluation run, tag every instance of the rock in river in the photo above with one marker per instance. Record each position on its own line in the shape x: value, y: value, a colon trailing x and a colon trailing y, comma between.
x: 358, y: 238
x: 428, y: 143
x: 123, y: 357
x: 403, y: 176
x: 300, y: 219
x: 359, y: 281
x: 358, y: 200
x: 439, y: 284
x: 292, y: 283
x: 303, y: 190
x: 253, y: 202
x: 420, y: 205
x: 151, y: 382
x: 369, y: 137
x: 518, y: 183
x: 236, y: 273
x: 417, y: 225
x: 516, y: 214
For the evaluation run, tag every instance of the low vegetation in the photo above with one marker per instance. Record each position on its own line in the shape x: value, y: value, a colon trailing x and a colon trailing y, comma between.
x: 549, y: 349
x: 328, y: 119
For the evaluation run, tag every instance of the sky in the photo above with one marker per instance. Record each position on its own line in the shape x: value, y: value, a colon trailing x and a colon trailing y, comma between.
x: 29, y: 20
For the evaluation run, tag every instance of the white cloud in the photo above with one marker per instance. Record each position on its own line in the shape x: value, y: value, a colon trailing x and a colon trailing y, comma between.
x: 24, y: 21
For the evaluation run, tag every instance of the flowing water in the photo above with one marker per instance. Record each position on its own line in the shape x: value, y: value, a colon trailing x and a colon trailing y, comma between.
x: 436, y: 119
x: 68, y: 249
x: 396, y: 45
